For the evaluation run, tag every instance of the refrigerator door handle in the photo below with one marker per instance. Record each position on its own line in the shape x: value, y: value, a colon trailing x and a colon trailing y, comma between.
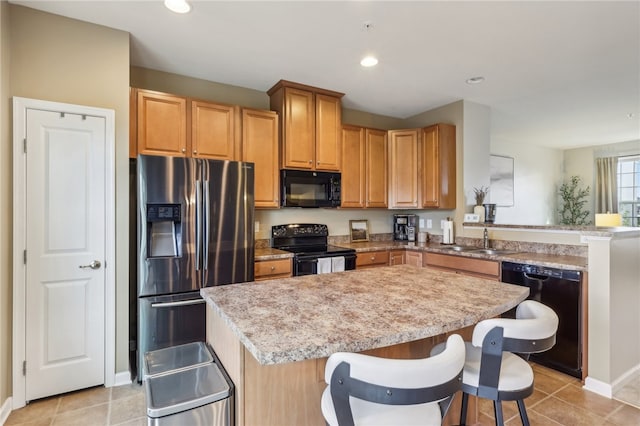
x: 198, y: 225
x: 180, y: 303
x: 207, y: 225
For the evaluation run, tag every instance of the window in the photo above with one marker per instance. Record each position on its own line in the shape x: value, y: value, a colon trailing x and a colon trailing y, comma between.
x: 629, y: 190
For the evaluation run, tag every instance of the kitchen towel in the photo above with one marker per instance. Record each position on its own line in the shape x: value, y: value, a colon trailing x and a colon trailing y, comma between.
x: 324, y: 265
x: 447, y: 232
x: 337, y: 264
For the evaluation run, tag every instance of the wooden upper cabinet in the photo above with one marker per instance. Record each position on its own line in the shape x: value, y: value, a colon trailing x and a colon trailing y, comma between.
x: 260, y: 146
x: 403, y: 169
x: 438, y: 157
x: 161, y: 124
x: 310, y: 126
x: 213, y: 131
x: 376, y: 165
x: 328, y: 147
x: 353, y: 176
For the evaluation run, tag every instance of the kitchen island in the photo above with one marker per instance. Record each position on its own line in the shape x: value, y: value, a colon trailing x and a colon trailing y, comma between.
x: 273, y: 337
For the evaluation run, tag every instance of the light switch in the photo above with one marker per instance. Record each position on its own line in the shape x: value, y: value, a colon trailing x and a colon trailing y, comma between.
x: 429, y: 224
x: 421, y: 223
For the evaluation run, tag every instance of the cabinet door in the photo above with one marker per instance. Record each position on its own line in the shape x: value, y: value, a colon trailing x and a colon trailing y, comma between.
x: 161, y: 124
x: 299, y: 129
x: 375, y: 168
x: 353, y: 176
x: 213, y: 133
x: 438, y: 155
x: 260, y: 146
x: 414, y: 258
x: 397, y: 257
x: 403, y: 173
x: 328, y: 150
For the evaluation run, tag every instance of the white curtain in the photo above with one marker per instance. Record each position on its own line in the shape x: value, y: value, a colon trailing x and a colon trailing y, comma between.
x: 607, y: 185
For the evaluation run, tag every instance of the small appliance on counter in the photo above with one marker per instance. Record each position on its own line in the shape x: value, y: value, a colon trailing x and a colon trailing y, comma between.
x: 404, y: 227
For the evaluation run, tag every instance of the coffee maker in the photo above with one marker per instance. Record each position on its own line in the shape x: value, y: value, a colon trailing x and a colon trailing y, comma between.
x: 404, y: 227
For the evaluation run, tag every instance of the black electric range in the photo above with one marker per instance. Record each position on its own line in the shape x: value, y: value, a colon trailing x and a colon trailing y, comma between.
x: 309, y: 243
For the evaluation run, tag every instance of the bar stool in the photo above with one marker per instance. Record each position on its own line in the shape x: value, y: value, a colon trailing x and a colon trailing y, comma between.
x: 492, y: 369
x: 367, y: 390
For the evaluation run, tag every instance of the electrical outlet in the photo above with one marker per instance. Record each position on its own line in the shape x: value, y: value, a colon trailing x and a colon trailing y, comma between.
x: 442, y: 223
x: 429, y: 224
x: 257, y: 226
x: 421, y: 225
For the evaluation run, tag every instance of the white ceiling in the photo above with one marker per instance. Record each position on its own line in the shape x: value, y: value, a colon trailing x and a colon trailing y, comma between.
x: 558, y: 74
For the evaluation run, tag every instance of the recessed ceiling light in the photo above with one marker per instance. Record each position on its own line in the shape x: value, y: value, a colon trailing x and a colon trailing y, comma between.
x: 475, y: 80
x: 369, y: 61
x: 630, y: 115
x: 177, y: 6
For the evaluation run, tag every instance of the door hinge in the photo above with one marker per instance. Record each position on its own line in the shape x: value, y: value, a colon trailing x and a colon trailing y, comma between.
x: 24, y: 257
x: 24, y: 368
x: 24, y: 145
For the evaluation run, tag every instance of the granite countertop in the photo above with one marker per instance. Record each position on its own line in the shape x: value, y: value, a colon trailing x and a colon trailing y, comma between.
x: 268, y: 253
x: 313, y: 316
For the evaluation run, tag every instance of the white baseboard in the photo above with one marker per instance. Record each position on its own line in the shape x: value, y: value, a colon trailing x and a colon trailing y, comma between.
x: 627, y: 377
x: 122, y: 378
x: 5, y: 411
x: 596, y: 386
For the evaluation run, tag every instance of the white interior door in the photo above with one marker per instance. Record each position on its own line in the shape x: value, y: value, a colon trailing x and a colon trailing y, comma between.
x: 65, y: 252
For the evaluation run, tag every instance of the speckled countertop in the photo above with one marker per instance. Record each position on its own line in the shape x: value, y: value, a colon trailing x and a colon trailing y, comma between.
x: 554, y: 260
x: 313, y: 316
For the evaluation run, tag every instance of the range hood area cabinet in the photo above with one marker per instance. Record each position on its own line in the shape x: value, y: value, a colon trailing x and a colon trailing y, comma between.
x: 422, y: 168
x: 364, y: 182
x: 178, y: 126
x: 310, y: 126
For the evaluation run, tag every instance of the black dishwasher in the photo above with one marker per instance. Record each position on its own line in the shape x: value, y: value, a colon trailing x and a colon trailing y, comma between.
x: 559, y: 289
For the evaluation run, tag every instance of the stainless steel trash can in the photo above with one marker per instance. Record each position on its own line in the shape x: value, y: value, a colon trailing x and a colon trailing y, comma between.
x: 194, y: 396
x: 176, y: 358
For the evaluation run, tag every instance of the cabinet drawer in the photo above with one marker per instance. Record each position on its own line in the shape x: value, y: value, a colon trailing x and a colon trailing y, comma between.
x: 465, y: 265
x: 270, y: 269
x: 397, y: 257
x: 372, y: 258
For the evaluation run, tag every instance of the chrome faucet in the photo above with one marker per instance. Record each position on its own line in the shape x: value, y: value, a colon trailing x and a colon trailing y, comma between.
x: 485, y: 239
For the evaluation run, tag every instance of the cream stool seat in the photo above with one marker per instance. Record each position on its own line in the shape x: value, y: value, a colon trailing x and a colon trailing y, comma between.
x: 367, y: 390
x: 492, y: 369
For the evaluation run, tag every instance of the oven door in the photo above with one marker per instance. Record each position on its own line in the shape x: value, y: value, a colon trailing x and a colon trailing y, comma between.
x: 169, y: 320
x: 308, y: 264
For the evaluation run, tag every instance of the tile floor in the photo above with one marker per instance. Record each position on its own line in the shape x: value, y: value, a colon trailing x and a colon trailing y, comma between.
x: 558, y: 399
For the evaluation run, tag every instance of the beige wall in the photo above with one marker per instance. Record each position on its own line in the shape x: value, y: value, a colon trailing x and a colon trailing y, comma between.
x: 63, y: 60
x: 5, y: 211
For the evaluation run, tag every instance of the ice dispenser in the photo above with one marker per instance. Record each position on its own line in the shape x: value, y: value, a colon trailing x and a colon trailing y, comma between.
x: 164, y: 229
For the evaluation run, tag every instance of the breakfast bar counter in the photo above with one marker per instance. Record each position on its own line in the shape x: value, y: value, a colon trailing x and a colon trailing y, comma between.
x: 273, y: 337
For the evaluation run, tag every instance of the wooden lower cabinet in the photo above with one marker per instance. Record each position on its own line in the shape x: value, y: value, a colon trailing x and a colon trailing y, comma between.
x: 290, y: 394
x: 489, y: 269
x: 372, y: 259
x: 413, y: 258
x: 397, y: 257
x: 271, y: 269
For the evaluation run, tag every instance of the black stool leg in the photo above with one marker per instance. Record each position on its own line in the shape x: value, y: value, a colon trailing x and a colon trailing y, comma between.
x: 463, y: 409
x: 523, y: 412
x: 497, y: 408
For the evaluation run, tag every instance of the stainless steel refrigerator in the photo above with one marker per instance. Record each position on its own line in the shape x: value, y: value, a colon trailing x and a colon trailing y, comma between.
x: 195, y: 229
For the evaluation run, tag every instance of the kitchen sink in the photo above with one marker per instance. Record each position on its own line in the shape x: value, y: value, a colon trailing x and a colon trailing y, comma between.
x: 492, y: 251
x: 460, y: 248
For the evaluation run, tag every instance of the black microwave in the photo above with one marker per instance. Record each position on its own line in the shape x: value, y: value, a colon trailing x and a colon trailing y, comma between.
x: 302, y: 188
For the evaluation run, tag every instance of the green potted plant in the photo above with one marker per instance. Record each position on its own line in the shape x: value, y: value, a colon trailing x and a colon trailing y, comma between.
x: 573, y: 198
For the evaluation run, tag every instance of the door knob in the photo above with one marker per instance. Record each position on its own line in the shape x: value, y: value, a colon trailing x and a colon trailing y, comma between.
x: 93, y: 265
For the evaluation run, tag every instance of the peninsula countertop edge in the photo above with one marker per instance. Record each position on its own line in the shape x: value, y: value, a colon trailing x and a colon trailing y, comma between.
x: 294, y: 319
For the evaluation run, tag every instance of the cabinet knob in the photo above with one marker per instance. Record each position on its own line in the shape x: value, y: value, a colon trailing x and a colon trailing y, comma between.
x: 184, y: 149
x: 310, y: 161
x: 195, y: 152
x: 373, y: 258
x: 317, y: 162
x: 273, y: 268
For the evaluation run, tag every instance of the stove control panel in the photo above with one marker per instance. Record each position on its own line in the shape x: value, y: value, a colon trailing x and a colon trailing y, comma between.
x: 299, y: 230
